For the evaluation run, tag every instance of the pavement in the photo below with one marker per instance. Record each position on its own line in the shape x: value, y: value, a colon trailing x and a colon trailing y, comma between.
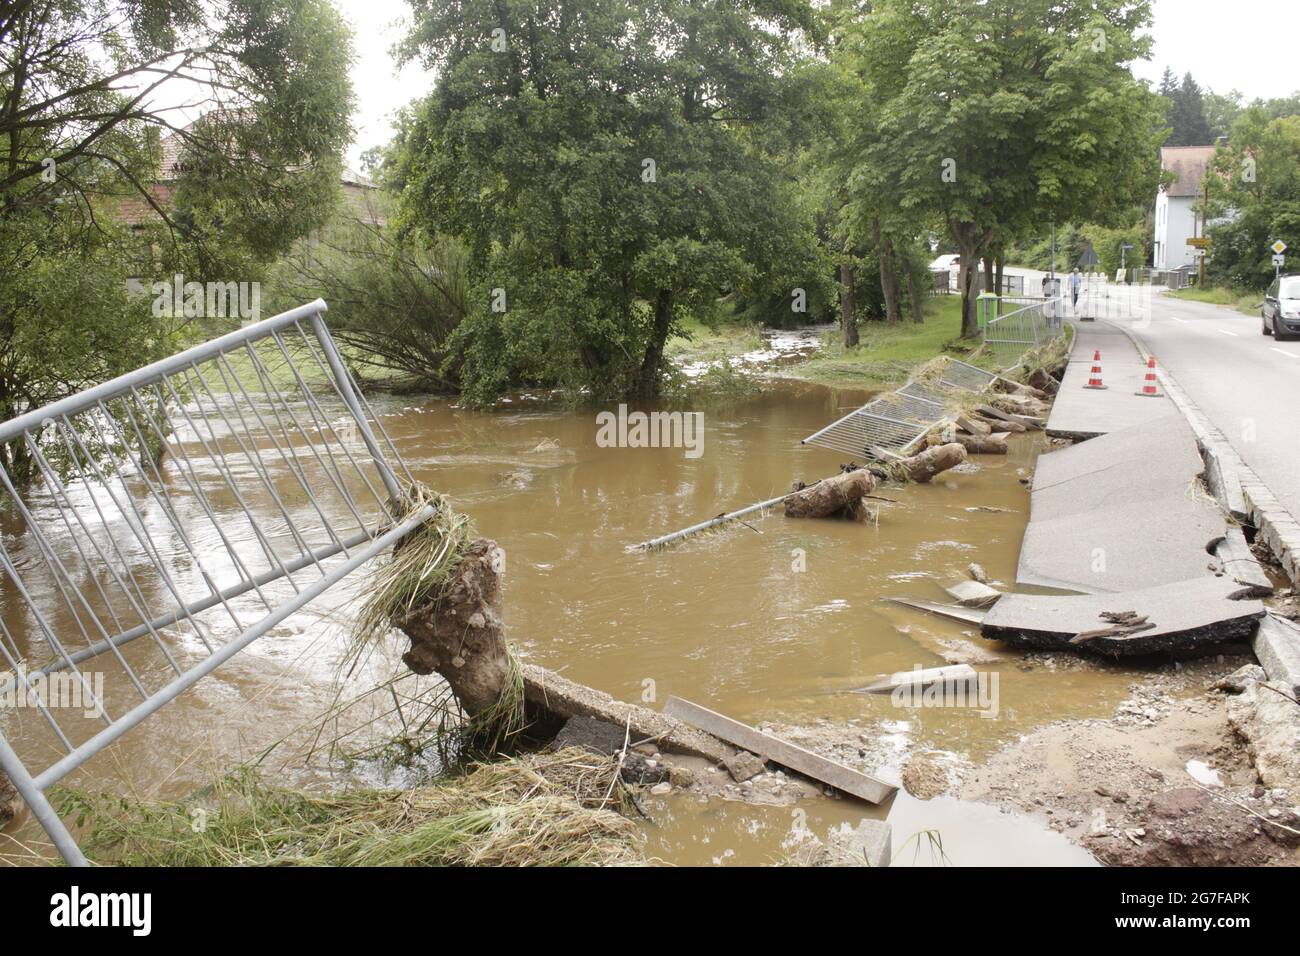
x: 1080, y: 412
x: 1244, y: 382
x: 1121, y: 511
x: 1179, y: 616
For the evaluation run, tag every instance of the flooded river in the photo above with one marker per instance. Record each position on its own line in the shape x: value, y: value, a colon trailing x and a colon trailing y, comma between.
x: 772, y: 622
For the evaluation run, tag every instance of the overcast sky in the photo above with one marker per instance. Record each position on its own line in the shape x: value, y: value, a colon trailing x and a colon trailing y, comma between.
x: 1248, y: 45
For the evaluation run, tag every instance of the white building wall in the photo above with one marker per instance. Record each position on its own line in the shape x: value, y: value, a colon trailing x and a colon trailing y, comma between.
x: 1175, y: 224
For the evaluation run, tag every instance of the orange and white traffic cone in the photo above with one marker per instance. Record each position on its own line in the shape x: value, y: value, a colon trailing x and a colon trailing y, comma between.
x: 1094, y: 377
x: 1149, y: 387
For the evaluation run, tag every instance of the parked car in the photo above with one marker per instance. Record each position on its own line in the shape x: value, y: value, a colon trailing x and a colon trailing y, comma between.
x: 1281, y: 309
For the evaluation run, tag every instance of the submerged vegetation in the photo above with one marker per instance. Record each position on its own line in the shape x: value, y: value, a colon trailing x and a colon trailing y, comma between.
x: 557, y: 809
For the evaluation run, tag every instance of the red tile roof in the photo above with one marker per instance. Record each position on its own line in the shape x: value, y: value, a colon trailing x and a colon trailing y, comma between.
x: 1190, y: 164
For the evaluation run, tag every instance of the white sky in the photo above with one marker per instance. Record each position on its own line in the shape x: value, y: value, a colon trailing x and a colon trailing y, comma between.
x: 380, y: 89
x: 1248, y: 45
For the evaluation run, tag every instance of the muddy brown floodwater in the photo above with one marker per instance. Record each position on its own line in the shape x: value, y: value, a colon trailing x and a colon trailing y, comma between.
x: 776, y: 622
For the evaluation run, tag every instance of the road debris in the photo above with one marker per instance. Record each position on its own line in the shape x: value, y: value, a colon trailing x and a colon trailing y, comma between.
x: 834, y: 775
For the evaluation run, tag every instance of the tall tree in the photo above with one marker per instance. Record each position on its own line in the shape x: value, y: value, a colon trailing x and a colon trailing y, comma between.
x: 88, y: 89
x: 1187, y: 115
x: 611, y: 165
x: 996, y: 115
x: 1258, y: 176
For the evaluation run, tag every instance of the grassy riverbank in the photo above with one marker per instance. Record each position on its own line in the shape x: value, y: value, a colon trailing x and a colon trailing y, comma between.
x: 1238, y: 299
x: 887, y: 353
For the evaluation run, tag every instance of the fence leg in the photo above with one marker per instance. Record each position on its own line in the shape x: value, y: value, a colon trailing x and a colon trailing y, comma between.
x: 40, y: 806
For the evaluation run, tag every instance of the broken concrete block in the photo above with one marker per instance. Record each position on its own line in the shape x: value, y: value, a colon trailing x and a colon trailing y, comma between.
x: 1269, y: 720
x: 589, y: 733
x: 1240, y: 563
x: 1184, y: 615
x: 867, y: 844
x: 1277, y: 646
x: 973, y: 594
x: 973, y: 426
x: 921, y: 678
x: 954, y: 612
x: 1239, y: 680
x: 780, y: 751
x: 607, y: 739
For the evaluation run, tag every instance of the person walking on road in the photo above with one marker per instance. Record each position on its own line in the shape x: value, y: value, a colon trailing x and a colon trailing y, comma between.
x: 1076, y: 281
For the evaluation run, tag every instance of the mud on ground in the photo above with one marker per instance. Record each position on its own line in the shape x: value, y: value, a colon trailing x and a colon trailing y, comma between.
x: 1126, y: 787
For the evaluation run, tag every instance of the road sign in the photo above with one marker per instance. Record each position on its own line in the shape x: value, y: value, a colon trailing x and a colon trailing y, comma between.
x: 1198, y: 242
x: 1278, y: 247
x: 1279, y: 260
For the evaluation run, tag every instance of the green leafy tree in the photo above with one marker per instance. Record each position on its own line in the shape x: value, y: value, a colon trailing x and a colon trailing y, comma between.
x: 610, y: 166
x: 1257, y: 178
x: 996, y: 116
x: 85, y: 102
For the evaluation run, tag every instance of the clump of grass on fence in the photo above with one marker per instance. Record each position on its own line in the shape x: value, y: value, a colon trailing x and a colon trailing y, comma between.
x: 559, y: 809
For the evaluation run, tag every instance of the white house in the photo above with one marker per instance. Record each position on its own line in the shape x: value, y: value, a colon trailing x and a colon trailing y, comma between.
x: 1176, y: 220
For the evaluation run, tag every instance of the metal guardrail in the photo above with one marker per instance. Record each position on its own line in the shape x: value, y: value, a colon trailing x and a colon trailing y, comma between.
x: 895, y: 422
x: 156, y: 511
x: 1030, y: 326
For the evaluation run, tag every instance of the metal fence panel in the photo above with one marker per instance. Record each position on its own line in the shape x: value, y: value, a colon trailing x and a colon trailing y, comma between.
x: 154, y: 509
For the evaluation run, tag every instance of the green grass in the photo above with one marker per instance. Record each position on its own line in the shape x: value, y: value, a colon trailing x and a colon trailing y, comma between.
x: 886, y: 354
x: 1242, y: 300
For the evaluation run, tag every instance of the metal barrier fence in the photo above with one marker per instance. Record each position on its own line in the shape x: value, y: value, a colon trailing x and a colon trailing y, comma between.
x: 894, y: 423
x: 154, y: 514
x: 1010, y: 336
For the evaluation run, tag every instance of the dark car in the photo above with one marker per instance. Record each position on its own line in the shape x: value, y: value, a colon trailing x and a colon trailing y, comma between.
x: 1281, y: 309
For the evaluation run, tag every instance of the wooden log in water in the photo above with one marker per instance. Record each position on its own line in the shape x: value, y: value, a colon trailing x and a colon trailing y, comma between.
x: 995, y: 444
x: 839, y: 496
x: 938, y: 458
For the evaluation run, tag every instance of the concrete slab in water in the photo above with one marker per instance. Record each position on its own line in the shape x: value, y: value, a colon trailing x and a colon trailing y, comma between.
x: 1186, y: 614
x: 1240, y: 563
x: 1120, y: 512
x: 1079, y: 412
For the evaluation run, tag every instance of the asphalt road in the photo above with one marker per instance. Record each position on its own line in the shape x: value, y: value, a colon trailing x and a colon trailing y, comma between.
x: 1245, y: 382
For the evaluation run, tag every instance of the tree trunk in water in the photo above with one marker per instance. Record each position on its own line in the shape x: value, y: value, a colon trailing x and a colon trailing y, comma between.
x: 938, y: 458
x: 914, y: 293
x: 888, y: 275
x: 462, y: 637
x: 995, y: 444
x: 848, y: 305
x: 839, y: 496
x: 652, y: 363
